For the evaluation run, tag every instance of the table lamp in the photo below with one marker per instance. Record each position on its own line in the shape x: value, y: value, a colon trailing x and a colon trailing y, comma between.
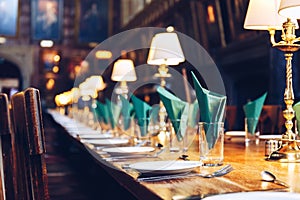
x: 96, y: 82
x: 89, y: 91
x: 123, y: 72
x: 274, y: 15
x: 165, y: 50
x: 73, y: 108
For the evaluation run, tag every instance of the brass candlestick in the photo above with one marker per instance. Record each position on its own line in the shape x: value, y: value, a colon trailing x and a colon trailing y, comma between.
x: 289, y: 150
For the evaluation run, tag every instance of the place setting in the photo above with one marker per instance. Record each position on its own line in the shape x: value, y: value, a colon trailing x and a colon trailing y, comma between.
x: 168, y: 170
x: 211, y: 141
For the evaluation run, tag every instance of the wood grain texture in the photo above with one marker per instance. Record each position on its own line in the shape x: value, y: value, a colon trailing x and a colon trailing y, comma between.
x: 28, y: 141
x: 21, y: 173
x: 7, y: 186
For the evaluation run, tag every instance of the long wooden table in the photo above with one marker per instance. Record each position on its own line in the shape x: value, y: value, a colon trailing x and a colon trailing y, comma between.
x: 248, y: 162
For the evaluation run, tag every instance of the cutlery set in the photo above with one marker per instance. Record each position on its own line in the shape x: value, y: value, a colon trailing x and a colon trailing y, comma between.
x: 221, y: 172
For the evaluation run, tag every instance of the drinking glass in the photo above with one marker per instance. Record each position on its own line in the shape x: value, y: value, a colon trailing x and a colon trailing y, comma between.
x: 141, y: 130
x: 126, y: 126
x: 181, y: 137
x: 251, y: 130
x: 211, y: 143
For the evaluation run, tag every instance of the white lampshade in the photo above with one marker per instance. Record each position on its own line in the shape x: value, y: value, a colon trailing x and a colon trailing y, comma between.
x: 290, y: 9
x: 96, y: 82
x: 263, y: 15
x: 86, y: 90
x: 123, y: 71
x: 165, y: 49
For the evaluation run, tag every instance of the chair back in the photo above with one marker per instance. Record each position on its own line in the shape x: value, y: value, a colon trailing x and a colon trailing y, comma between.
x: 230, y: 117
x: 270, y: 119
x: 29, y: 144
x: 6, y: 164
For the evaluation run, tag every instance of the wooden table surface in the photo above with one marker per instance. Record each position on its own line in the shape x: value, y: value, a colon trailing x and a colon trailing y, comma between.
x: 247, y: 161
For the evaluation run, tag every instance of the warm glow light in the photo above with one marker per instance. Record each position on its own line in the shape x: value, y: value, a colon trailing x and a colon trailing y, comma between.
x: 102, y: 54
x: 46, y: 43
x: 77, y: 69
x: 147, y: 98
x: 86, y: 98
x: 86, y: 90
x: 165, y: 50
x: 56, y: 58
x: 96, y: 82
x: 290, y: 9
x: 50, y: 84
x: 93, y: 44
x: 271, y: 18
x: 62, y: 99
x: 2, y: 40
x: 123, y: 71
x: 55, y: 69
x: 170, y: 29
x: 211, y: 14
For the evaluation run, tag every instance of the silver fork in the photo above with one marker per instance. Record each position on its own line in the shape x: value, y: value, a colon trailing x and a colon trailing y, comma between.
x: 221, y: 172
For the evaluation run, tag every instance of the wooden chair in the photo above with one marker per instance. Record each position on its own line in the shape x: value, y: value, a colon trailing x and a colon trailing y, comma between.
x: 231, y: 115
x: 270, y: 119
x: 28, y: 140
x: 7, y: 184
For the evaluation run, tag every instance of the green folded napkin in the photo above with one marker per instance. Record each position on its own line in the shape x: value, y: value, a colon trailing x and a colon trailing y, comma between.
x: 177, y: 111
x: 114, y: 111
x: 296, y: 108
x: 127, y: 112
x: 102, y: 112
x: 142, y: 113
x: 252, y: 109
x: 211, y: 104
x: 212, y: 108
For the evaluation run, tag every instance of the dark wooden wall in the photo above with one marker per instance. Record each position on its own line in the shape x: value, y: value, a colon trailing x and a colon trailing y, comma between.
x: 248, y: 63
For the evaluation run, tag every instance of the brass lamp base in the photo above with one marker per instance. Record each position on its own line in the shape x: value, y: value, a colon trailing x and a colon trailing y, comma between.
x: 288, y: 48
x: 288, y: 152
x: 162, y: 74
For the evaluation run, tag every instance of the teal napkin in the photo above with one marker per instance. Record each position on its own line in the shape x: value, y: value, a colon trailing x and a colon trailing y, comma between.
x: 296, y: 108
x: 142, y: 112
x: 177, y: 111
x: 114, y: 112
x: 127, y: 112
x: 211, y: 104
x: 253, y: 109
x: 102, y: 112
x: 212, y: 108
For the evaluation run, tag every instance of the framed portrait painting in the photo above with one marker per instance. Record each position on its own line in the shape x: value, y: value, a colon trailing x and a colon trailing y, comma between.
x: 46, y: 19
x: 92, y: 16
x: 9, y: 17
